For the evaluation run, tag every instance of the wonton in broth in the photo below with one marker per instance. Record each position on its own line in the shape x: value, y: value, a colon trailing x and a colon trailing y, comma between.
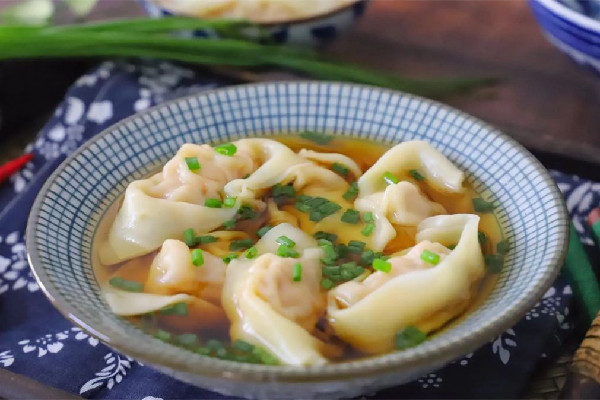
x: 298, y: 250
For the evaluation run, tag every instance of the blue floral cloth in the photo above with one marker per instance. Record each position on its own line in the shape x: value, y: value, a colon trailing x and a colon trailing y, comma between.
x: 35, y: 340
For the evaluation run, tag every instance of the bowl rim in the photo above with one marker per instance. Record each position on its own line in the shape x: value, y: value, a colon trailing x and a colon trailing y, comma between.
x: 380, y: 364
x: 580, y: 19
x: 292, y: 21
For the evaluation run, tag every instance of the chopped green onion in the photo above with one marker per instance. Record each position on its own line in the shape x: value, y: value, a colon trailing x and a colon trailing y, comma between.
x: 230, y: 257
x: 197, y: 257
x: 352, y: 192
x: 202, y: 351
x: 332, y: 237
x: 226, y: 149
x: 368, y: 217
x: 252, y: 252
x: 503, y: 246
x: 189, y: 237
x: 229, y: 224
x: 351, y: 216
x: 192, y: 163
x: 379, y: 264
x: 262, y: 231
x: 316, y: 216
x: 329, y: 208
x: 329, y: 250
x: 187, y: 339
x: 175, y: 309
x: 264, y: 356
x: 482, y: 206
x: 494, y: 263
x: 340, y: 169
x: 408, y: 337
x: 242, y: 345
x: 229, y: 202
x: 162, y: 335
x: 205, y: 239
x: 482, y: 237
x: 286, y: 241
x: 326, y: 284
x: 213, y: 203
x: 356, y: 246
x: 416, y: 175
x: 286, y: 251
x: 330, y: 270
x: 390, y: 178
x: 368, y: 229
x: 316, y: 137
x: 280, y: 190
x: 430, y: 257
x: 342, y: 250
x: 367, y: 257
x: 302, y: 207
x: 297, y: 274
x: 241, y: 244
x: 246, y: 212
x: 124, y: 284
x: 452, y: 246
x: 214, y: 344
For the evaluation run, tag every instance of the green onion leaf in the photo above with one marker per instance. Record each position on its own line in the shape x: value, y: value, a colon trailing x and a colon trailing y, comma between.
x: 213, y: 203
x: 356, y: 246
x: 367, y: 257
x: 494, y: 262
x: 452, y: 246
x: 351, y: 216
x: 264, y: 356
x: 352, y: 192
x: 246, y: 212
x: 316, y: 216
x: 340, y: 169
x: 229, y: 202
x: 124, y: 284
x: 482, y: 206
x: 368, y: 217
x: 262, y: 231
x: 368, y: 229
x: 416, y: 175
x: 297, y: 274
x: 179, y: 309
x: 189, y: 237
x: 329, y: 250
x: 205, y: 239
x: 242, y: 345
x: 408, y: 337
x: 187, y: 339
x: 214, y: 344
x: 379, y: 264
x: 286, y: 241
x: 230, y: 257
x: 430, y: 257
x: 503, y: 246
x: 326, y: 284
x: 331, y: 237
x: 252, y: 252
x: 316, y: 137
x: 286, y: 251
x: 226, y: 149
x: 482, y: 237
x: 302, y: 207
x: 280, y: 190
x: 192, y: 163
x: 331, y: 270
x: 197, y: 257
x: 241, y: 244
x: 229, y: 224
x: 162, y: 335
x: 390, y: 178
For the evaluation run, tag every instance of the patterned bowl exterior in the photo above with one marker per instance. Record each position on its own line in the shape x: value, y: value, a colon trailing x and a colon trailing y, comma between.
x: 573, y: 27
x: 69, y: 207
x: 311, y: 31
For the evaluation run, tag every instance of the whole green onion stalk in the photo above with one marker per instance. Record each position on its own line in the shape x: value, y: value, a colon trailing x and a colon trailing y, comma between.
x: 154, y: 38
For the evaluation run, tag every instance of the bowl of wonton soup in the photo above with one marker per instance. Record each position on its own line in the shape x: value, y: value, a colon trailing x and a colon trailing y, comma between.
x: 307, y: 22
x: 250, y: 240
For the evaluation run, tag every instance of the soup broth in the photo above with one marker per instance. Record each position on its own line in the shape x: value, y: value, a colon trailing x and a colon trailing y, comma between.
x: 201, y: 323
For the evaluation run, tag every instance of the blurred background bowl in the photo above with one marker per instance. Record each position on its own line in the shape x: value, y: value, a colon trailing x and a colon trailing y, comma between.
x: 573, y: 26
x: 313, y: 31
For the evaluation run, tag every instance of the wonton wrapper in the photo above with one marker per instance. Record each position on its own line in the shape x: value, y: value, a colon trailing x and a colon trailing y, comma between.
x: 267, y: 308
x: 411, y: 297
x: 330, y: 159
x: 268, y: 243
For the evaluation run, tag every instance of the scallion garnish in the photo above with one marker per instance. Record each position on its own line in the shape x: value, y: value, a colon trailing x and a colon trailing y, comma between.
x: 351, y: 216
x: 246, y: 212
x: 482, y: 237
x: 352, y: 192
x: 262, y: 231
x: 187, y: 339
x: 379, y: 264
x: 124, y: 284
x: 326, y: 284
x: 192, y: 163
x: 213, y: 203
x: 229, y: 202
x: 332, y: 237
x: 452, y: 246
x: 329, y: 250
x: 286, y: 251
x: 242, y: 345
x: 229, y: 224
x: 279, y: 191
x: 408, y: 337
x: 297, y: 274
x: 503, y: 246
x: 416, y: 175
x: 390, y: 178
x: 368, y: 229
x: 430, y: 257
x: 367, y: 257
x: 241, y: 244
x: 175, y: 309
x: 482, y: 206
x: 356, y: 246
x: 340, y: 169
x: 205, y: 239
x: 252, y: 252
x: 189, y: 237
x: 316, y: 216
x: 285, y: 241
x: 197, y: 257
x: 226, y: 149
x: 227, y: 259
x: 264, y: 356
x: 494, y: 262
x: 368, y: 217
x: 162, y: 335
x: 302, y: 207
x: 316, y: 137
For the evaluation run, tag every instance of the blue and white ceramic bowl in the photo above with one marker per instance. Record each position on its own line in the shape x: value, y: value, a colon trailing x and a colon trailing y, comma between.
x: 573, y: 26
x: 312, y: 31
x: 69, y: 207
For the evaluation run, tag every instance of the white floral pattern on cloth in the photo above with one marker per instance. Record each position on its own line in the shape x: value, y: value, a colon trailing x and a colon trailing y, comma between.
x: 551, y: 305
x: 14, y: 268
x: 113, y: 373
x: 502, y: 345
x: 52, y: 343
x: 6, y: 358
x: 430, y: 381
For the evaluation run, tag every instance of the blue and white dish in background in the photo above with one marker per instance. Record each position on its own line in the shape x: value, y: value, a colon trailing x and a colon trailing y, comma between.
x: 68, y: 209
x: 573, y: 26
x: 312, y: 31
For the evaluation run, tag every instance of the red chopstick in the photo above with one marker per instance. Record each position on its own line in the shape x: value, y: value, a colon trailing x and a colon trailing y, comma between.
x: 11, y: 167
